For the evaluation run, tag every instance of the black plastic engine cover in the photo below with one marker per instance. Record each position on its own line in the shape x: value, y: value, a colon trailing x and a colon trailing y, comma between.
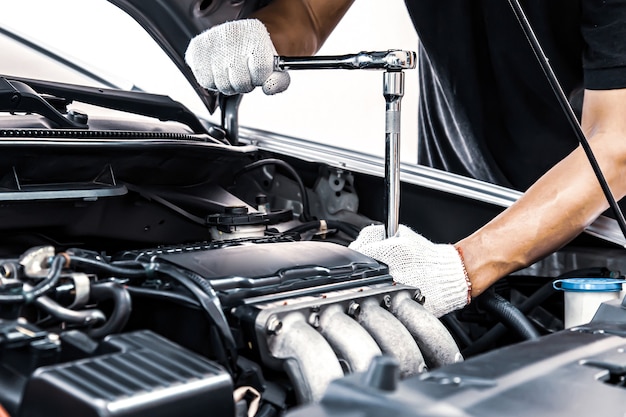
x: 578, y: 372
x: 248, y: 268
x: 145, y: 376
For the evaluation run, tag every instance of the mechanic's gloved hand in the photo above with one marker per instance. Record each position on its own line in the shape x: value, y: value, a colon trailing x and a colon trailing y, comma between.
x: 436, y: 269
x: 235, y: 57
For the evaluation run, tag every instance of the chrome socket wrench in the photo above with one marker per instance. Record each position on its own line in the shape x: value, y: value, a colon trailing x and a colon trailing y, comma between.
x: 392, y: 62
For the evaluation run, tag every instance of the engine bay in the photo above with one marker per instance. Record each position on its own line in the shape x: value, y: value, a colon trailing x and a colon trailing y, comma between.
x: 249, y: 282
x: 151, y: 270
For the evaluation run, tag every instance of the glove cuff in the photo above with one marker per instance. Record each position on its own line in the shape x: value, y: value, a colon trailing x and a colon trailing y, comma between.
x: 453, y: 286
x: 459, y: 252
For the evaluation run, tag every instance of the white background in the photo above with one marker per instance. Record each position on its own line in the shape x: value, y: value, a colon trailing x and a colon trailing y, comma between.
x: 339, y: 107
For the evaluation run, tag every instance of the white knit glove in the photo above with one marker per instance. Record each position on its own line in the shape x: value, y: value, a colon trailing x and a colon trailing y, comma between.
x: 235, y: 57
x: 436, y: 269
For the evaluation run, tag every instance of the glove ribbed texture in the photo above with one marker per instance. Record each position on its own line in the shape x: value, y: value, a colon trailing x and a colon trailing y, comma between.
x: 436, y: 269
x: 235, y: 57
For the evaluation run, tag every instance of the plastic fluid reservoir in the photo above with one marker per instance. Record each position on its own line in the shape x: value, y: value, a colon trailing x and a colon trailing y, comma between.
x: 583, y: 296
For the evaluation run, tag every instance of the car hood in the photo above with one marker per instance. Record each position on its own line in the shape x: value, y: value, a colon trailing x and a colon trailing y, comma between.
x: 172, y: 24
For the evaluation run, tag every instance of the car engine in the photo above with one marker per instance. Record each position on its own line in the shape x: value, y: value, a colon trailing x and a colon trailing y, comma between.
x: 150, y: 270
x: 250, y: 294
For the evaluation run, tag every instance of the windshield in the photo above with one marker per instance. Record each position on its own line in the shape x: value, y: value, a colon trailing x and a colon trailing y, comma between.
x: 96, y: 45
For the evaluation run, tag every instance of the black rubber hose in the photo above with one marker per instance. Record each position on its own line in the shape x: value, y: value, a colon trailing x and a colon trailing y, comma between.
x: 510, y: 315
x: 453, y: 324
x: 497, y: 331
x: 164, y: 296
x: 87, y: 317
x: 48, y: 283
x: 122, y: 307
x: 96, y: 266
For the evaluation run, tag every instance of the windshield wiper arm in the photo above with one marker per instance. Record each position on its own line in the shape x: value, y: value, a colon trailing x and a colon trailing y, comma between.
x: 16, y: 96
x: 145, y: 104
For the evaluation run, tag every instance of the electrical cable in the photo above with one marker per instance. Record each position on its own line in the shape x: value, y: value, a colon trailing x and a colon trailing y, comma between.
x: 210, y: 303
x: 95, y: 265
x: 163, y: 296
x: 198, y: 286
x: 306, y: 209
x: 47, y: 284
x: 50, y: 281
x: 567, y: 109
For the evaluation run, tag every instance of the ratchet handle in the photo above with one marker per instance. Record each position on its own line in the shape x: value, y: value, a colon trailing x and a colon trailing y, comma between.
x: 391, y: 60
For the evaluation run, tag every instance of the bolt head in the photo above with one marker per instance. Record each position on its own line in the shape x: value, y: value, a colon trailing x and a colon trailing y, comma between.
x: 314, y: 320
x: 274, y: 325
x: 386, y: 301
x: 354, y: 309
x: 419, y: 297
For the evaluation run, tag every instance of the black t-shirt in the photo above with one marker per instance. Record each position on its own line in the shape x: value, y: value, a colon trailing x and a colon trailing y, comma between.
x: 486, y: 108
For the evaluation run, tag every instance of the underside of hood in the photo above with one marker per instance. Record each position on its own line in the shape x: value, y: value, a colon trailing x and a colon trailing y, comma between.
x: 172, y: 24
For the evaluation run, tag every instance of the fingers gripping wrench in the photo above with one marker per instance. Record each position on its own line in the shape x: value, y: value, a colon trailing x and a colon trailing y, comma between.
x: 392, y: 62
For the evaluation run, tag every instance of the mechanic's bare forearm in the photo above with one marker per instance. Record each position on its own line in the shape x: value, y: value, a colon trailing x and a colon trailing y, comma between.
x: 300, y: 27
x: 560, y: 205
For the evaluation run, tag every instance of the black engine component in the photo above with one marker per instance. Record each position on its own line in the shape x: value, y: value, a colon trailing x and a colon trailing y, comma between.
x: 241, y: 269
x: 135, y: 374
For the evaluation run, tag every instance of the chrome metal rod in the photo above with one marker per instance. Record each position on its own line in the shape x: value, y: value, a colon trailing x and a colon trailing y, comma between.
x: 392, y: 60
x: 393, y: 91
